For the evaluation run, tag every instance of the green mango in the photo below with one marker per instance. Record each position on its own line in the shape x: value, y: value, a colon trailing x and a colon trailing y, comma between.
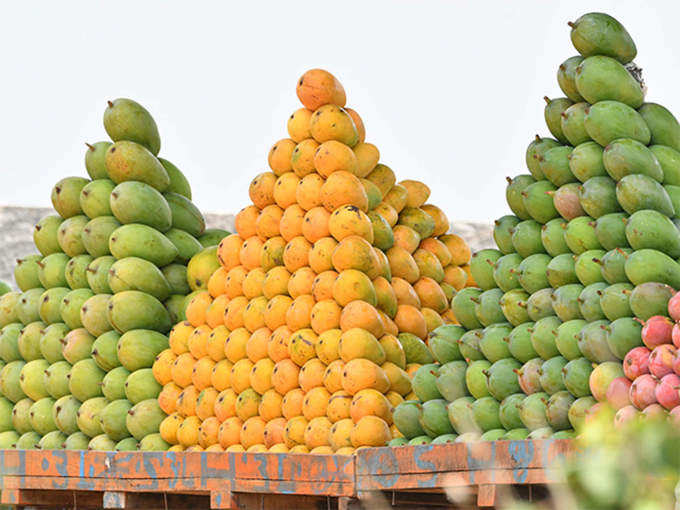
x: 538, y: 200
x: 434, y: 418
x: 9, y: 341
x: 133, y: 273
x: 585, y: 161
x: 612, y: 265
x: 535, y: 151
x: 56, y: 379
x: 142, y: 241
x: 88, y: 416
x: 178, y: 182
x: 488, y: 308
x: 509, y: 412
x: 70, y: 233
x: 649, y: 265
x: 587, y: 267
x: 669, y: 159
x: 607, y: 121
x: 45, y: 235
x: 565, y: 301
x: 77, y: 345
x: 125, y: 119
x: 95, y: 160
x: 553, y: 115
x: 468, y: 344
x: 539, y: 304
x: 493, y: 341
x: 662, y: 124
x: 601, y: 78
x: 502, y: 378
x: 20, y: 420
x: 651, y: 229
x: 552, y: 237
x: 610, y: 231
x: 137, y: 202
x: 29, y: 341
x: 649, y: 299
x: 138, y: 348
x: 112, y: 418
x: 443, y: 343
x: 674, y: 195
x: 513, y: 304
x: 94, y: 198
x: 382, y: 234
x: 406, y: 418
x: 176, y: 276
x: 144, y: 418
x: 132, y: 309
x: 573, y: 123
x: 28, y: 305
x: 623, y: 335
x: 560, y: 270
x: 505, y: 272
x: 566, y: 340
x: 598, y: 196
x: 185, y: 215
x: 502, y: 233
x: 580, y: 235
x: 532, y: 411
x: 589, y: 302
x: 424, y: 382
x: 9, y: 308
x: 519, y: 343
x: 475, y: 380
x: 186, y: 245
x: 566, y: 201
x: 526, y: 238
x: 463, y: 307
x: 486, y: 413
x: 554, y: 164
x: 557, y: 410
x: 66, y: 196
x: 625, y: 157
x: 566, y: 78
x: 113, y: 384
x: 543, y: 337
x: 597, y: 33
x: 615, y: 301
x: 76, y: 271
x: 551, y: 375
x: 96, y: 235
x: 532, y: 272
x: 578, y: 410
x: 141, y: 384
x: 213, y: 236
x: 52, y: 272
x: 93, y: 314
x: 513, y: 191
x: 104, y: 351
x: 129, y: 161
x: 98, y: 274
x: 592, y: 342
x: 637, y: 192
x: 50, y: 303
x: 450, y: 380
x: 481, y: 267
x: 517, y: 434
x: 26, y: 272
x: 70, y: 306
x: 40, y: 416
x: 76, y: 441
x: 175, y: 306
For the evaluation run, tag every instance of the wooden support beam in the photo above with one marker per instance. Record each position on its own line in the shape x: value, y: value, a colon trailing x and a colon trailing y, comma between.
x: 486, y: 496
x: 153, y: 500
x: 50, y: 498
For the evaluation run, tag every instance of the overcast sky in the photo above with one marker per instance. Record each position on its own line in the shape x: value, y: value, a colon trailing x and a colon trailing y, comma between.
x: 450, y: 91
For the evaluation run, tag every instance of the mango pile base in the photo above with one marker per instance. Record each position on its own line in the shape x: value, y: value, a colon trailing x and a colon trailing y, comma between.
x: 406, y: 477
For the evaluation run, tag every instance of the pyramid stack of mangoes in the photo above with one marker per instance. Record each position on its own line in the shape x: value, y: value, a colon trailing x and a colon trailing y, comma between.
x: 588, y: 255
x: 321, y: 302
x: 78, y: 342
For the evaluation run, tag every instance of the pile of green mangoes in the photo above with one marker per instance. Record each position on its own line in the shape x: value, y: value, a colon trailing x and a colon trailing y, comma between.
x: 587, y: 256
x: 78, y: 341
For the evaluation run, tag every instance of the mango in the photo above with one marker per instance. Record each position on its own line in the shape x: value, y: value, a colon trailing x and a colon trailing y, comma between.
x: 138, y: 348
x: 133, y: 273
x: 535, y: 151
x: 481, y: 267
x: 178, y: 182
x: 9, y: 381
x: 502, y: 379
x: 52, y: 272
x: 519, y: 343
x: 475, y: 380
x: 407, y: 419
x: 87, y: 416
x: 65, y: 413
x: 513, y: 192
x: 26, y: 306
x: 415, y: 349
x: 77, y: 345
x: 32, y: 380
x: 96, y: 233
x: 669, y: 159
x: 502, y: 233
x: 649, y: 299
x: 625, y: 156
x: 20, y: 419
x: 201, y: 267
x: 532, y: 272
x: 544, y: 337
x: 585, y: 161
x: 598, y: 197
x: 580, y: 235
x: 565, y: 301
x: 77, y: 441
x: 40, y: 416
x: 66, y: 196
x: 508, y: 412
x: 45, y: 234
x: 212, y: 236
x: 587, y: 267
x: 50, y: 304
x: 487, y: 307
x: 552, y: 237
x: 29, y: 340
x: 141, y: 385
x: 27, y: 441
x: 176, y: 276
x: 186, y: 245
x: 125, y: 119
x: 526, y: 238
x: 142, y: 241
x: 93, y: 314
x: 539, y: 304
x: 610, y: 231
x: 566, y: 201
x: 651, y: 229
x: 575, y: 375
x: 94, y: 159
x: 486, y: 413
x: 76, y: 271
x: 98, y: 274
x: 573, y: 123
x: 113, y: 384
x: 85, y: 380
x: 538, y: 199
x: 95, y: 198
x: 493, y: 341
x: 434, y: 418
x: 129, y: 161
x: 104, y: 351
x: 638, y: 191
x: 614, y: 301
x: 101, y: 443
x: 513, y: 304
x: 144, y: 419
x: 461, y: 415
x: 463, y: 307
x: 623, y: 335
x: 451, y: 380
x: 553, y: 114
x: 532, y: 411
x: 137, y: 202
x: 560, y: 270
x: 505, y: 273
x: 592, y: 341
x: 185, y: 215
x: 26, y: 272
x: 566, y: 78
x: 332, y: 122
x: 9, y: 341
x: 607, y: 121
x: 662, y: 124
x: 613, y: 264
x: 600, y: 78
x: 596, y: 33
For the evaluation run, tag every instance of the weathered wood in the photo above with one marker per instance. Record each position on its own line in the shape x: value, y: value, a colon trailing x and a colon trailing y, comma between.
x: 486, y: 496
x: 49, y: 498
x: 137, y: 500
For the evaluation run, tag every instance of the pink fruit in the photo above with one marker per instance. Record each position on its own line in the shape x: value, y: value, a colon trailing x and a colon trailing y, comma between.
x: 666, y: 391
x: 654, y: 411
x: 617, y: 393
x: 674, y: 415
x: 675, y: 335
x: 602, y: 376
x: 636, y: 362
x: 676, y: 363
x: 656, y: 331
x: 674, y: 306
x: 625, y: 415
x: 642, y: 391
x: 661, y: 360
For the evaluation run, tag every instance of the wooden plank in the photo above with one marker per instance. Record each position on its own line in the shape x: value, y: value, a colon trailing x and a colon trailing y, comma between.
x: 486, y: 496
x: 132, y: 500
x: 323, y: 487
x: 42, y: 498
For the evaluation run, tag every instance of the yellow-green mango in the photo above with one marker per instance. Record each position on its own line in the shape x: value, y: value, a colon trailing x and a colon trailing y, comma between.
x: 93, y: 314
x: 45, y: 234
x: 133, y: 273
x: 597, y: 33
x: 553, y: 115
x: 212, y: 236
x: 186, y: 245
x: 144, y: 418
x: 26, y: 272
x: 607, y: 121
x: 70, y: 307
x: 85, y: 380
x: 178, y: 182
x: 185, y: 215
x: 599, y: 78
x: 66, y: 196
x: 50, y: 304
x: 129, y: 161
x: 125, y: 119
x: 29, y: 340
x: 70, y: 233
x: 76, y: 271
x: 9, y: 307
x: 95, y: 196
x: 663, y: 125
x: 52, y: 271
x: 132, y: 309
x: 104, y: 351
x: 98, y: 274
x: 418, y: 220
x: 201, y: 267
x: 96, y: 235
x: 95, y: 159
x: 176, y: 276
x: 175, y: 307
x: 138, y: 348
x: 140, y: 385
x: 136, y: 240
x: 137, y: 202
x: 51, y: 341
x: 566, y: 78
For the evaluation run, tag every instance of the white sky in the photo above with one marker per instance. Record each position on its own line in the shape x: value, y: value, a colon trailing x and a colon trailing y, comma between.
x: 450, y: 91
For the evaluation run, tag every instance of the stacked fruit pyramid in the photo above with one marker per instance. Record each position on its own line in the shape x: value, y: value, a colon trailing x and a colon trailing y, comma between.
x: 79, y: 340
x: 321, y: 301
x: 586, y: 258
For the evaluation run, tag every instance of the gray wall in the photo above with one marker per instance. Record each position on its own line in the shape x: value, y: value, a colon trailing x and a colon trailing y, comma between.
x: 16, y: 233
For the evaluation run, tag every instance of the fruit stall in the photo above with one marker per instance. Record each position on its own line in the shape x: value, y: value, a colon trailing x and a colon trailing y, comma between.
x: 343, y: 347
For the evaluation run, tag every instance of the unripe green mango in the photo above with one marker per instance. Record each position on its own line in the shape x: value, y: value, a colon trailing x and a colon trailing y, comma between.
x: 554, y: 164
x: 573, y: 123
x: 552, y: 237
x: 623, y: 335
x: 610, y: 231
x: 132, y: 309
x: 104, y: 351
x: 77, y: 345
x: 125, y: 119
x: 85, y: 380
x: 505, y: 272
x: 98, y: 274
x: 598, y: 196
x: 113, y: 384
x: 176, y: 276
x: 213, y: 236
x: 580, y: 235
x: 566, y: 78
x: 613, y: 265
x: 487, y: 307
x: 585, y: 161
x: 526, y: 238
x: 9, y: 341
x: 178, y: 182
x: 614, y: 301
x: 538, y: 201
x: 636, y: 192
x: 76, y: 271
x: 56, y: 381
x: 649, y: 265
x: 553, y: 115
x: 463, y: 303
x: 138, y: 348
x: 8, y: 308
x: 625, y: 157
x: 93, y: 314
x: 651, y: 229
x: 601, y: 78
x: 560, y: 270
x: 587, y: 267
x: 129, y: 161
x: 597, y: 33
x: 649, y: 299
x: 532, y: 272
x: 539, y: 304
x: 566, y: 201
x: 502, y: 235
x: 513, y: 304
x: 129, y: 444
x: 186, y: 245
x: 669, y: 159
x: 96, y: 234
x: 50, y: 304
x: 136, y: 240
x: 66, y: 196
x: 26, y: 272
x: 674, y: 195
x: 565, y: 301
x: 607, y: 121
x: 144, y: 418
x: 133, y: 273
x: 95, y: 196
x: 513, y: 193
x: 185, y: 215
x: 662, y: 124
x: 45, y: 235
x: 95, y: 160
x: 175, y: 307
x: 70, y: 306
x: 589, y: 302
x: 481, y: 267
x: 141, y: 385
x: 52, y: 271
x: 29, y: 341
x: 536, y: 149
x: 70, y: 233
x: 137, y: 202
x: 28, y: 305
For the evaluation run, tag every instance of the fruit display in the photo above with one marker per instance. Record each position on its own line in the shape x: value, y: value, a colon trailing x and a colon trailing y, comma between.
x: 80, y: 337
x: 566, y: 306
x: 305, y: 325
